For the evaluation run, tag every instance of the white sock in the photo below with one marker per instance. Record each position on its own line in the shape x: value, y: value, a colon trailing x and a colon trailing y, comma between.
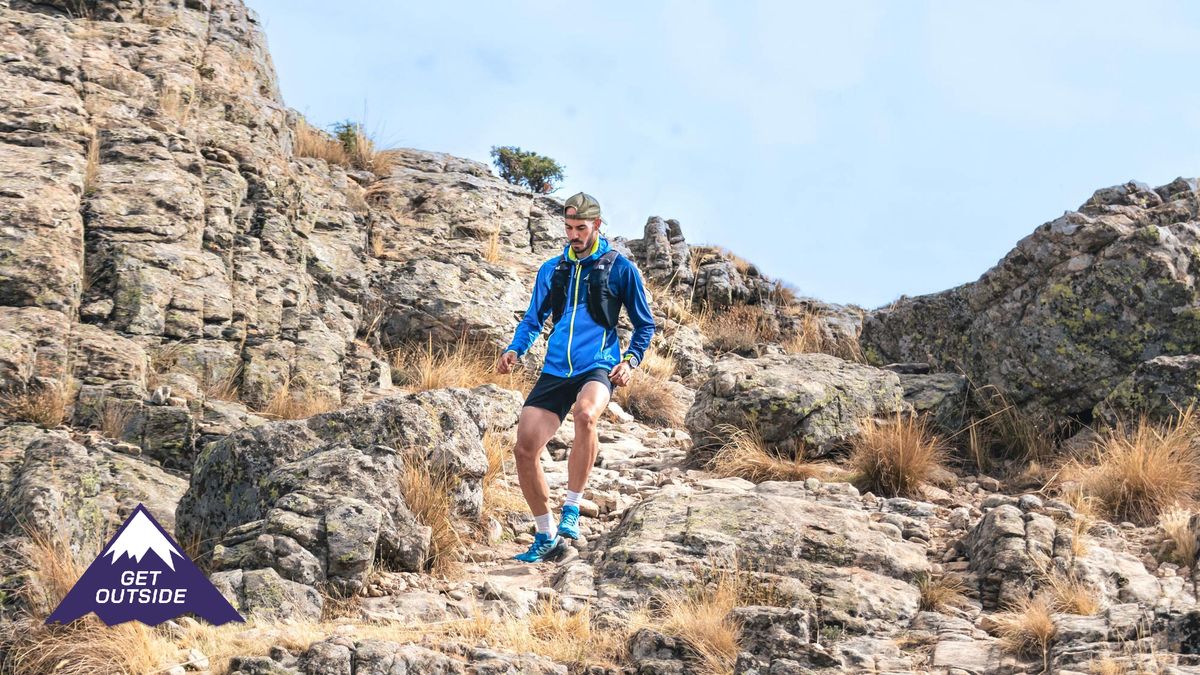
x: 545, y: 522
x: 573, y: 498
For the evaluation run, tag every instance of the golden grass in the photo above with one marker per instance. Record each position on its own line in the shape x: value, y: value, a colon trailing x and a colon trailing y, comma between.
x: 44, y: 405
x: 549, y: 631
x: 1027, y: 627
x: 312, y: 142
x: 658, y: 366
x: 499, y: 495
x: 745, y: 455
x: 941, y: 592
x: 1086, y: 514
x: 1140, y: 472
x: 1180, y: 529
x: 291, y: 401
x: 810, y: 338
x: 1106, y: 666
x: 897, y: 457
x: 668, y: 303
x: 651, y: 400
x: 361, y: 152
x: 83, y: 646
x: 91, y: 170
x: 699, y: 615
x: 491, y: 249
x: 224, y: 388
x: 738, y: 328
x: 427, y: 490
x: 462, y: 363
x: 114, y: 418
x: 1008, y: 431
x: 1064, y: 592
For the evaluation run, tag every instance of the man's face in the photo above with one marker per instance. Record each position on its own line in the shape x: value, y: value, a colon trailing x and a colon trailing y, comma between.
x: 581, y: 234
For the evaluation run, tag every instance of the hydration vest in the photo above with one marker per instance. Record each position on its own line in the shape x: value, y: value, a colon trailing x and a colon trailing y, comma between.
x: 602, y: 303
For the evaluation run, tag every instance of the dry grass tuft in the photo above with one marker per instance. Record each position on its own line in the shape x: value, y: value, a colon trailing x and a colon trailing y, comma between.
x: 738, y: 328
x: 651, y: 400
x: 1180, y: 527
x: 657, y: 365
x: 746, y: 455
x: 222, y: 388
x: 1027, y: 627
x: 897, y: 457
x: 312, y: 142
x: 1085, y: 516
x: 462, y: 363
x: 499, y: 495
x: 1070, y: 595
x: 1106, y: 666
x: 549, y: 631
x: 1007, y: 431
x: 810, y: 337
x: 91, y: 171
x: 1141, y: 472
x: 427, y: 490
x: 293, y: 402
x: 44, y: 405
x: 700, y: 617
x: 941, y: 592
x: 114, y: 418
x: 491, y: 250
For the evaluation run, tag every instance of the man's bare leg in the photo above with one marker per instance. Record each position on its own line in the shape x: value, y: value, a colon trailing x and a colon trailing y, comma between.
x: 535, y: 427
x: 589, y: 404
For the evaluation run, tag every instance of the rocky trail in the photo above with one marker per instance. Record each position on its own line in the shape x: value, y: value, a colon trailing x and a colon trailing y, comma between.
x: 284, y: 351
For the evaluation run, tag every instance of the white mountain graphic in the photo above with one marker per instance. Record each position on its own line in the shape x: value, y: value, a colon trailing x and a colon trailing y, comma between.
x: 140, y: 536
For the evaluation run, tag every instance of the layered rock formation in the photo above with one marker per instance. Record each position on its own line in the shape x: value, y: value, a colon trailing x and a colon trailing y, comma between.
x: 170, y: 259
x: 1075, y: 308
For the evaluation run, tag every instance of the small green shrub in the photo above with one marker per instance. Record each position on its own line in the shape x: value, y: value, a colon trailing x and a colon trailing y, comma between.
x: 527, y: 168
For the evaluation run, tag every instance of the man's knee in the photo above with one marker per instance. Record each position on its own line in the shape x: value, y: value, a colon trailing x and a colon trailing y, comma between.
x: 584, y: 418
x: 526, y: 451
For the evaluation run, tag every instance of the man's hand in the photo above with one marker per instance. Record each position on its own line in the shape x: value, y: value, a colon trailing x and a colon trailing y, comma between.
x: 620, y: 374
x: 505, y: 363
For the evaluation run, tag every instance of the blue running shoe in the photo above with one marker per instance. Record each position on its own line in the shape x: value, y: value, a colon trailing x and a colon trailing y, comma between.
x: 544, y: 546
x: 569, y: 525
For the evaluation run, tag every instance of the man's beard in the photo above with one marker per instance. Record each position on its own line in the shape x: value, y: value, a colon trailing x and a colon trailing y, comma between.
x: 587, y: 244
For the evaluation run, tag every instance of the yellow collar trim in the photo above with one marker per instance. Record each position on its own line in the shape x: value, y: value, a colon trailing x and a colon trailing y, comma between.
x: 595, y: 245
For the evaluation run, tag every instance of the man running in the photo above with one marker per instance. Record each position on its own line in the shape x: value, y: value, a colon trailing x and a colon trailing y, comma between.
x: 584, y: 289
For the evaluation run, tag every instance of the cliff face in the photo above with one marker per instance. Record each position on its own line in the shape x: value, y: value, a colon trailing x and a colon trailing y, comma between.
x: 167, y: 248
x: 151, y: 196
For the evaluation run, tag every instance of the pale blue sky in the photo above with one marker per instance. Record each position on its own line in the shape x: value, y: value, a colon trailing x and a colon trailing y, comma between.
x: 858, y: 151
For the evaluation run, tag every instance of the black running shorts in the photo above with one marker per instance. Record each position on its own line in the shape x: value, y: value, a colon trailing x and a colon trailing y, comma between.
x: 557, y: 394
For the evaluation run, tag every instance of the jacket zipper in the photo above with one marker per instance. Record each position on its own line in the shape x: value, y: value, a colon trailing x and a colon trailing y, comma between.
x: 571, y: 331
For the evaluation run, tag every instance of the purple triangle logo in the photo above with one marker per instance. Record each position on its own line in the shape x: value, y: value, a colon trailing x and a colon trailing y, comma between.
x: 143, y: 575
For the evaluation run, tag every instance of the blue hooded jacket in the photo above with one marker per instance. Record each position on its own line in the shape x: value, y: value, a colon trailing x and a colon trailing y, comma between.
x: 577, y: 343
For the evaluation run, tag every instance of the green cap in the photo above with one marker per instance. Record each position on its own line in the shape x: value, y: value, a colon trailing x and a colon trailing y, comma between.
x: 586, y: 207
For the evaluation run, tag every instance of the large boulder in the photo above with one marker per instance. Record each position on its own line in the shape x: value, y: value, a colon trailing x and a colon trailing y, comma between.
x: 814, y: 400
x: 1076, y: 307
x: 828, y: 566
x: 319, y: 500
x: 1159, y: 388
x: 1016, y: 549
x: 80, y: 492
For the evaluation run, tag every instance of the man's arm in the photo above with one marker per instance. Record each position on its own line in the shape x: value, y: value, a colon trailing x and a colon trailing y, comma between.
x: 531, y: 324
x: 633, y: 294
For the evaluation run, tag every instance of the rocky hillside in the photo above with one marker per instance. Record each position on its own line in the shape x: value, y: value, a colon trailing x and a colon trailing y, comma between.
x: 282, y: 349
